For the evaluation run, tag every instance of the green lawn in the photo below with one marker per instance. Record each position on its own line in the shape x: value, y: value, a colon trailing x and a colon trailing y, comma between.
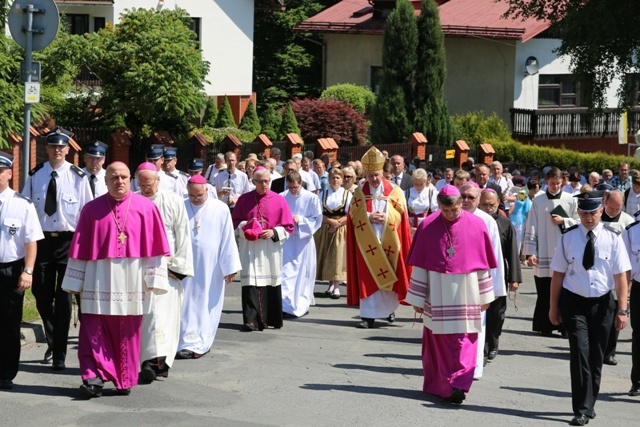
x: 29, y: 312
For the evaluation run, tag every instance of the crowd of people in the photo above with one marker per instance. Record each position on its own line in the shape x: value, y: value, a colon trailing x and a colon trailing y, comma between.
x: 148, y: 257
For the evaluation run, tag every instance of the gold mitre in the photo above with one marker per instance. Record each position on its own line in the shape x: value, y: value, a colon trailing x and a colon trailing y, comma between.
x: 373, y: 160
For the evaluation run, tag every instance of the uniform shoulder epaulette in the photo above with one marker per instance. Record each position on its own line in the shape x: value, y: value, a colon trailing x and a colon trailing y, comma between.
x: 184, y: 174
x: 78, y: 171
x: 573, y: 227
x: 22, y: 196
x: 36, y: 169
x: 631, y: 225
x: 171, y: 175
x: 613, y: 229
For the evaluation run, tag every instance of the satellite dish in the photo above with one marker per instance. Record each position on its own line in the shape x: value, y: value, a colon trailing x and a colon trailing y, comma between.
x: 531, y: 66
x: 636, y: 155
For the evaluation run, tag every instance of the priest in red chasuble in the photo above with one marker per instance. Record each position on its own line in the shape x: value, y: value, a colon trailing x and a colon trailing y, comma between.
x: 378, y: 241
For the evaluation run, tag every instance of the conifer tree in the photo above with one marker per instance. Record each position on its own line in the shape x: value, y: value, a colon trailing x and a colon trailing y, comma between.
x: 271, y: 123
x: 289, y: 123
x: 225, y: 116
x: 250, y: 121
x: 210, y: 113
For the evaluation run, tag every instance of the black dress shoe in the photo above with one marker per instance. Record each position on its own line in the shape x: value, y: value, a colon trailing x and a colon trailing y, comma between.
x: 89, y: 391
x: 184, y: 354
x: 612, y: 361
x: 123, y: 392
x: 48, y: 356
x: 579, y: 420
x: 457, y: 396
x: 147, y: 375
x: 492, y: 354
x: 365, y: 324
x: 250, y: 327
x: 58, y: 365
x: 635, y: 391
x: 6, y: 384
x: 288, y: 316
x: 391, y: 318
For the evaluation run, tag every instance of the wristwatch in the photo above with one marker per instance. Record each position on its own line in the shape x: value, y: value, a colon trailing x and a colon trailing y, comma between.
x: 624, y: 311
x: 28, y: 271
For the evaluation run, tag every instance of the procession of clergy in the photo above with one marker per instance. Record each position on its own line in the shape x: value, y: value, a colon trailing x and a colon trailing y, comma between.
x: 148, y: 257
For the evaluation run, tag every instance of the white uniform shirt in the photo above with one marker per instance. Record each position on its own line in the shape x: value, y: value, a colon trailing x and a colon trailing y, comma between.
x: 99, y: 182
x: 211, y: 173
x: 610, y: 258
x: 631, y: 237
x: 237, y: 181
x: 632, y: 203
x: 19, y: 225
x: 180, y: 184
x: 73, y: 192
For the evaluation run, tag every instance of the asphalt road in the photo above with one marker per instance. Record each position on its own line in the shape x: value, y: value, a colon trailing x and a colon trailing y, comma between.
x: 321, y: 371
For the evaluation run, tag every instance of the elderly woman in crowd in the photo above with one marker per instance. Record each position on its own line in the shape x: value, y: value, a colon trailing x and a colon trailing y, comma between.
x: 331, y: 239
x: 421, y: 198
x: 350, y: 180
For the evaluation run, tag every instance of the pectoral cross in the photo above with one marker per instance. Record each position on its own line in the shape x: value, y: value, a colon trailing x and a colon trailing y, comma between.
x: 450, y: 251
x: 122, y: 237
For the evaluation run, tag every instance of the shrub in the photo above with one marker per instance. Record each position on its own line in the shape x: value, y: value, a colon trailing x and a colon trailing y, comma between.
x: 289, y: 123
x: 210, y: 113
x: 359, y: 97
x: 320, y: 118
x: 225, y: 115
x: 215, y: 135
x: 250, y: 121
x: 271, y: 123
x: 474, y: 128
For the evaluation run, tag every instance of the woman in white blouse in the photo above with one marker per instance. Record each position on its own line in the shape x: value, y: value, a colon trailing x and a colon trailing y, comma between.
x: 421, y: 198
x: 331, y: 239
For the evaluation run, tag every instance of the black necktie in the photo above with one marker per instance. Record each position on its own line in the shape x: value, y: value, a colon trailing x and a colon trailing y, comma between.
x: 92, y: 185
x: 589, y: 252
x: 50, y: 204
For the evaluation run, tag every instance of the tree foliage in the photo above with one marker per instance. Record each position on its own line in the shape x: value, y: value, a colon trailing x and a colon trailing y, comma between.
x: 359, y: 97
x: 432, y: 115
x: 225, y: 115
x: 392, y: 116
x: 210, y: 113
x: 289, y: 123
x: 286, y: 65
x: 598, y: 35
x: 474, y: 128
x: 151, y: 71
x: 250, y: 121
x: 271, y: 120
x: 327, y: 118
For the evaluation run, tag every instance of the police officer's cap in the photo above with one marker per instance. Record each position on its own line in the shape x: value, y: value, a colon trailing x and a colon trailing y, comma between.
x: 96, y: 148
x: 604, y: 187
x: 195, y: 164
x: 170, y: 153
x: 59, y: 136
x: 6, y: 160
x: 589, y: 201
x: 155, y: 152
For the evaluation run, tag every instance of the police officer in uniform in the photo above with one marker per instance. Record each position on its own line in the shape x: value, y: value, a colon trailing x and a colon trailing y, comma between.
x: 195, y: 167
x: 94, y: 153
x: 58, y: 190
x: 589, y: 261
x: 632, y: 241
x: 169, y: 167
x: 155, y: 155
x: 19, y: 233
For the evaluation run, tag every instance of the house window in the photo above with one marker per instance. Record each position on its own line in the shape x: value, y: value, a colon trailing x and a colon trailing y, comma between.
x: 99, y: 23
x: 77, y: 24
x: 559, y: 91
x: 195, y: 27
x: 375, y: 78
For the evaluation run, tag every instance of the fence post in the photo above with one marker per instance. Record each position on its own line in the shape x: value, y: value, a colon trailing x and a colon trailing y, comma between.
x: 120, y: 145
x: 294, y: 144
x: 418, y: 146
x: 232, y: 143
x: 487, y: 154
x: 264, y: 145
x: 462, y: 153
x: 327, y: 146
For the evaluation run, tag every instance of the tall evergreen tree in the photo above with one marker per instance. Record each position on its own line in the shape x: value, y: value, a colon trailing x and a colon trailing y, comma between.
x: 289, y: 123
x: 250, y: 121
x: 432, y: 116
x: 392, y: 116
x: 210, y: 113
x: 225, y: 115
x: 271, y: 123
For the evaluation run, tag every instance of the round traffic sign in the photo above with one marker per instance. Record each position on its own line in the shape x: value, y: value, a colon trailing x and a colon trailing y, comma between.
x: 46, y: 21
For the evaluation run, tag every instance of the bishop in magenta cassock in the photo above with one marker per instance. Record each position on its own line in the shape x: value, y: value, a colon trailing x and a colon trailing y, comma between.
x: 450, y: 285
x: 117, y: 256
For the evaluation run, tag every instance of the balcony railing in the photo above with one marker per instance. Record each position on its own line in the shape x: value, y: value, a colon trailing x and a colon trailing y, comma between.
x: 563, y: 123
x: 87, y: 79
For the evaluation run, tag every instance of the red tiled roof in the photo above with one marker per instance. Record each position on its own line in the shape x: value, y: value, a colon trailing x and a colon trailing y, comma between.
x: 459, y: 18
x: 328, y: 143
x: 264, y: 139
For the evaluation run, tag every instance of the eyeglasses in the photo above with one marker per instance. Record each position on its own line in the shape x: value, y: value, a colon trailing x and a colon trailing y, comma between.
x: 262, y: 181
x: 465, y: 197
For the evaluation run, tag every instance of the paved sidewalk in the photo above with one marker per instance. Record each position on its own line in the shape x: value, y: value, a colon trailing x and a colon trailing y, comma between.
x: 322, y: 371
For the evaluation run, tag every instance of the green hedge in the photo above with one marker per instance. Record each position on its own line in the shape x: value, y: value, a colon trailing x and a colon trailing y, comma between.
x: 514, y: 151
x: 215, y: 135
